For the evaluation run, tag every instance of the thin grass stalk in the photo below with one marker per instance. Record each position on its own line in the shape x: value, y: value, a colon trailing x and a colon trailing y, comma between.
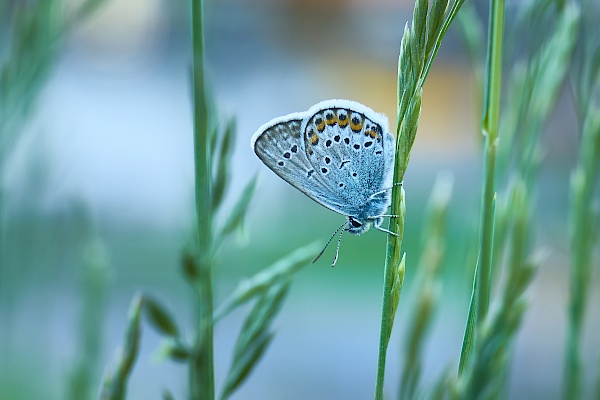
x: 583, y: 237
x: 487, y: 369
x: 114, y: 385
x: 428, y: 288
x: 418, y: 48
x: 82, y: 378
x: 392, y: 261
x: 597, y: 388
x: 480, y: 297
x: 490, y: 132
x: 201, y: 374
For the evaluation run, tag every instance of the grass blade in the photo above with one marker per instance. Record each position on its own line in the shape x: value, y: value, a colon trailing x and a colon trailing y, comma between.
x: 222, y: 163
x: 280, y: 271
x: 114, y: 385
x: 427, y: 287
x: 238, y: 212
x: 584, y: 181
x: 160, y: 318
x: 254, y: 337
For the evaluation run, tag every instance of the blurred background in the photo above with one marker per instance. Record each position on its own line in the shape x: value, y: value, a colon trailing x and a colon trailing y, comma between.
x: 97, y: 198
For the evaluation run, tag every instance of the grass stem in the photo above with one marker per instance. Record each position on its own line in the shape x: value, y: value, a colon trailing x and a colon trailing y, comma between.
x: 584, y: 234
x: 480, y: 298
x: 201, y: 376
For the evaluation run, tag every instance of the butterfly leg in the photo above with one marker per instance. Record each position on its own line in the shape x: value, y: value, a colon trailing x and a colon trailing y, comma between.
x: 385, y: 190
x: 385, y: 230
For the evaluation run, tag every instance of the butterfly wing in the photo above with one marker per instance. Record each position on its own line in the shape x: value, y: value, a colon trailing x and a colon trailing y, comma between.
x: 339, y: 153
x: 351, y: 149
x: 280, y: 147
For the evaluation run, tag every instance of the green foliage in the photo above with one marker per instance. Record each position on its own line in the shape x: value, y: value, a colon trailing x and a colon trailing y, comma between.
x: 160, y: 318
x: 37, y: 31
x: 34, y: 34
x: 535, y: 84
x: 36, y: 39
x: 255, y: 336
x: 427, y: 287
x: 212, y: 158
x: 484, y: 372
x: 584, y: 220
x: 220, y: 161
x: 561, y: 43
x: 278, y: 273
x: 83, y: 379
x: 396, y: 290
x: 114, y: 386
x: 419, y: 46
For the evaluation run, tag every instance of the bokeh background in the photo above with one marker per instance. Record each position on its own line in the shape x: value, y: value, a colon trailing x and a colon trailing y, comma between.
x: 103, y: 169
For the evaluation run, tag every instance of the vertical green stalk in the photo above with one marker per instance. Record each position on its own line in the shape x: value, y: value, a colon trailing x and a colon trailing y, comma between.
x: 583, y: 237
x: 408, y: 118
x: 95, y: 268
x: 489, y: 129
x: 201, y: 376
x: 392, y: 282
x: 418, y: 49
x: 480, y: 297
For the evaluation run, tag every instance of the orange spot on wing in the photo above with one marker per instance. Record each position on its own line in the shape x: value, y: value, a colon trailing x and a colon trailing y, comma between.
x: 321, y: 126
x: 314, y: 139
x: 356, y: 127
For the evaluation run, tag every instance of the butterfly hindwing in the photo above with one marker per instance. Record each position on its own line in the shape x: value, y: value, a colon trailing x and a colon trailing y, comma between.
x: 349, y: 146
x: 280, y: 146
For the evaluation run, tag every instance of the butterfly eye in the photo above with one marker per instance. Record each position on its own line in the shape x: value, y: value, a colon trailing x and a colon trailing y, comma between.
x: 355, y: 223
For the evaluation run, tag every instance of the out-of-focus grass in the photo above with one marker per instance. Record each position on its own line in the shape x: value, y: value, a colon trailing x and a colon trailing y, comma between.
x: 418, y: 49
x: 44, y: 250
x: 33, y: 37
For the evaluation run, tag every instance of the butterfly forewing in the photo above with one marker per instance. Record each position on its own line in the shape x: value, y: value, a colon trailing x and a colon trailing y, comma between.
x: 280, y: 146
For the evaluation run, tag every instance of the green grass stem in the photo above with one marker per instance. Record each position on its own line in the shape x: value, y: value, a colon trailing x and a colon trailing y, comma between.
x: 427, y: 287
x: 481, y: 288
x: 201, y: 374
x: 418, y: 49
x: 584, y: 234
x: 82, y: 382
x: 114, y: 385
x: 489, y: 128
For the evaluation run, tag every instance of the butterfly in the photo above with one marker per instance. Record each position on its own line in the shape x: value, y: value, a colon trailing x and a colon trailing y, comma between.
x: 339, y: 153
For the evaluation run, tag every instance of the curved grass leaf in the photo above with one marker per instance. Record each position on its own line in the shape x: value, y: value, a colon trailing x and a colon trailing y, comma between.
x: 159, y: 317
x: 281, y: 271
x: 238, y: 212
x: 254, y: 337
x: 114, y: 384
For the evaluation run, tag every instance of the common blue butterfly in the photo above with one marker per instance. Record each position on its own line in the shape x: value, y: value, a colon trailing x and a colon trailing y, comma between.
x: 340, y: 154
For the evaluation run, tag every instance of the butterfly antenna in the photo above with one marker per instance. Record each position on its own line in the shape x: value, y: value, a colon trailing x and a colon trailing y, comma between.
x: 329, y: 241
x: 337, y: 250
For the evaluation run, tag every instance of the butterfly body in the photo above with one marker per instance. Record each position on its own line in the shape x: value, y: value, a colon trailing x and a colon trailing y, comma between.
x: 339, y: 153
